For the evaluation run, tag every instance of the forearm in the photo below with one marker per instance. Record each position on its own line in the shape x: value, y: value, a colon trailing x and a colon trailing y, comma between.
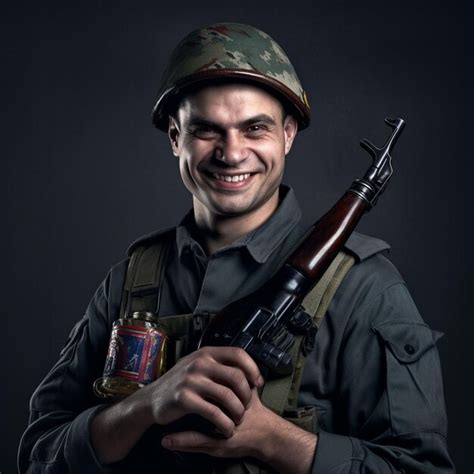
x: 291, y: 450
x: 117, y: 429
x: 417, y: 453
x: 286, y: 444
x: 59, y: 441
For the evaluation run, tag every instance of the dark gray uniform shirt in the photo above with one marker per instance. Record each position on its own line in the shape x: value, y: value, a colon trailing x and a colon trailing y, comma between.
x: 374, y: 374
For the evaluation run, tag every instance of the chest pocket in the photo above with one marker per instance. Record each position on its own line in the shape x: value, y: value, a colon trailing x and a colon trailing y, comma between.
x: 412, y: 365
x: 142, y: 292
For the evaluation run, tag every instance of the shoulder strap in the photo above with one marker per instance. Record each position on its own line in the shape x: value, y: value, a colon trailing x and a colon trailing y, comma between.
x: 142, y: 288
x: 317, y: 301
x: 281, y: 394
x: 142, y: 291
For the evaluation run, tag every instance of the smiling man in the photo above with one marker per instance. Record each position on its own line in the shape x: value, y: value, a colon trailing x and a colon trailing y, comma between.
x: 231, y: 157
x: 370, y: 398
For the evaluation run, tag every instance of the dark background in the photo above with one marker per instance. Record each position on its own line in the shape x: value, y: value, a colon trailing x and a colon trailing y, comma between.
x: 85, y: 172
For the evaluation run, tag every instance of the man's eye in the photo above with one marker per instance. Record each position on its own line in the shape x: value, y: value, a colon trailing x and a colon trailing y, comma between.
x: 204, y: 132
x: 256, y: 129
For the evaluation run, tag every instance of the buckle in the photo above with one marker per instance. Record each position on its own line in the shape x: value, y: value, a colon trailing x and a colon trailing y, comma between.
x: 309, y: 340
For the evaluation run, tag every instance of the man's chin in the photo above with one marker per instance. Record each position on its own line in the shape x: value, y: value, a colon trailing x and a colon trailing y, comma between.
x: 230, y: 209
x: 237, y: 206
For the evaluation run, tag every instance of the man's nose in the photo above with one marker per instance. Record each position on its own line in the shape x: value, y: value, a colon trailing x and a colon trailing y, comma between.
x: 233, y: 149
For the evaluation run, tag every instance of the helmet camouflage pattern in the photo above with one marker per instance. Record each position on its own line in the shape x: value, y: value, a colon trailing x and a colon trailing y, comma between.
x: 224, y: 51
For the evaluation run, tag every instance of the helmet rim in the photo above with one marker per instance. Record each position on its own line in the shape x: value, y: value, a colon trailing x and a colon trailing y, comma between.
x: 297, y: 107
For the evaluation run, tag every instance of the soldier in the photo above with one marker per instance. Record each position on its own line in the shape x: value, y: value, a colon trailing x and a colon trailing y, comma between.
x: 371, y: 389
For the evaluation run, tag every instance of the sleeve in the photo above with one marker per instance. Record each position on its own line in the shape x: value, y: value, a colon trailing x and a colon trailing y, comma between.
x: 57, y: 439
x: 389, y: 413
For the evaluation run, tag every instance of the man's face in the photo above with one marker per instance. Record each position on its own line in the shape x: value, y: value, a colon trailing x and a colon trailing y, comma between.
x: 231, y: 141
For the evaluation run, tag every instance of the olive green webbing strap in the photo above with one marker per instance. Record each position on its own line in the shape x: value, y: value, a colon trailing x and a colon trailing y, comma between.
x: 282, y: 393
x: 142, y: 288
x: 142, y: 293
x: 317, y: 301
x: 316, y: 304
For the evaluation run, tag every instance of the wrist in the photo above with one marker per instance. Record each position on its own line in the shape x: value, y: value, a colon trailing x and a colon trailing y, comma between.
x: 139, y: 408
x: 288, y: 442
x: 272, y: 435
x: 117, y: 428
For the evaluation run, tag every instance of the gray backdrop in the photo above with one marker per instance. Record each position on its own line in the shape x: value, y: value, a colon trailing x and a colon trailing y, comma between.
x: 85, y: 172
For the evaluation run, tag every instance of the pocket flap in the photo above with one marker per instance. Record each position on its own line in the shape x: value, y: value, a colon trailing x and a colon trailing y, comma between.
x: 408, y: 341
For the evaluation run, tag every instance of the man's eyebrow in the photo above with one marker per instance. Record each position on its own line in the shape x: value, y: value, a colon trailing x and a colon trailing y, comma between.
x: 193, y: 121
x: 260, y: 118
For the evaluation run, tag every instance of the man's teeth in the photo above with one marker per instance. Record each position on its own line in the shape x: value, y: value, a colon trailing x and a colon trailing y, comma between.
x: 231, y: 179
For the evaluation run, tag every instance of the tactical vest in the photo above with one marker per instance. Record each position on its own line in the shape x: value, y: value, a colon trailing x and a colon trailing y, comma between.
x: 142, y: 292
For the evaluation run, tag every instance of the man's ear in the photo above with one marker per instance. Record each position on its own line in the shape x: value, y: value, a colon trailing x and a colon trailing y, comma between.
x: 173, y: 134
x: 290, y: 129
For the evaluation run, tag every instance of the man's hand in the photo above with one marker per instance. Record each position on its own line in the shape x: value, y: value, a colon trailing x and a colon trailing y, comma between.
x: 261, y: 434
x: 213, y: 382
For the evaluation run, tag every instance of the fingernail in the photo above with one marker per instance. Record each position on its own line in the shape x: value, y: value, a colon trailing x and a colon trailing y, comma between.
x: 260, y: 381
x: 166, y: 443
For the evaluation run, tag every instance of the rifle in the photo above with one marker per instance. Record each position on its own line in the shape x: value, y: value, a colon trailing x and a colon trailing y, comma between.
x: 265, y: 322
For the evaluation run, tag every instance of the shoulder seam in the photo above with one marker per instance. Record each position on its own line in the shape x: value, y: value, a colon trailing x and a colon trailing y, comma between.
x: 364, y: 246
x: 381, y: 292
x: 368, y: 304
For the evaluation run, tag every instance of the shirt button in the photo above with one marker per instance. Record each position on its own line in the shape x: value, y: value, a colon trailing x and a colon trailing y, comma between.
x: 409, y: 349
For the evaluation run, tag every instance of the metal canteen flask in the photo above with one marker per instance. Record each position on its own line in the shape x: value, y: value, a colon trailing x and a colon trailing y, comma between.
x: 136, y: 356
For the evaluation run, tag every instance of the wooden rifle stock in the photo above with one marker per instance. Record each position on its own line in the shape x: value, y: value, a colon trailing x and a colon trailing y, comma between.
x: 314, y: 255
x: 261, y: 322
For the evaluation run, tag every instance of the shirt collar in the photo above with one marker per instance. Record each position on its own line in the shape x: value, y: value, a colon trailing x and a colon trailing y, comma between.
x: 261, y: 242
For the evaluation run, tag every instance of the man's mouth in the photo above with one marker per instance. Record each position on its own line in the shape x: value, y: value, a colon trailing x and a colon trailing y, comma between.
x: 231, y: 178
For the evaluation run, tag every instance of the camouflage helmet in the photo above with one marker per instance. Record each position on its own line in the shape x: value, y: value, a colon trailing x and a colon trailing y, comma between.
x: 230, y: 51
